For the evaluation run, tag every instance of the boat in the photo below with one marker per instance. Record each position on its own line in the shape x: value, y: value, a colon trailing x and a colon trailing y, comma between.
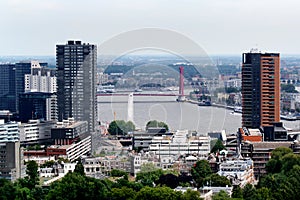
x: 238, y: 109
x: 204, y: 103
x: 288, y: 117
x: 138, y: 90
x: 106, y: 89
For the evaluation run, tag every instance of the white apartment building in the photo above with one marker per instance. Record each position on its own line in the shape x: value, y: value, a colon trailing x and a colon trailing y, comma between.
x: 181, y: 143
x: 40, y: 80
x: 9, y: 132
x: 239, y: 171
x: 35, y: 130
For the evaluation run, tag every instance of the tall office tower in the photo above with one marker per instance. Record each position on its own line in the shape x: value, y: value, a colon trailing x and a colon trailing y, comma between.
x: 21, y: 69
x: 260, y: 89
x: 7, y: 87
x: 12, y: 84
x: 76, y: 82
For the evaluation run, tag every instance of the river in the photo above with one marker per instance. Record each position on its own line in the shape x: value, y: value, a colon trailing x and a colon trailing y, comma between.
x: 177, y: 115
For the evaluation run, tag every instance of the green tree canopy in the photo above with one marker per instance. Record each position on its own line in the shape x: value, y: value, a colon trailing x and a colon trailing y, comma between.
x: 155, y: 123
x: 200, y: 171
x: 32, y: 174
x: 275, y: 164
x: 158, y: 193
x: 288, y: 88
x: 117, y: 173
x: 222, y: 195
x: 249, y: 192
x: 216, y: 180
x: 79, y: 168
x: 149, y: 174
x: 237, y: 192
x: 120, y: 127
x: 218, y: 146
x: 76, y: 186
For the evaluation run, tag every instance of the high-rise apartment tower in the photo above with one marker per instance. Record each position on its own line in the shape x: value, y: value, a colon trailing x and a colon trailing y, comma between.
x: 76, y: 82
x: 260, y: 89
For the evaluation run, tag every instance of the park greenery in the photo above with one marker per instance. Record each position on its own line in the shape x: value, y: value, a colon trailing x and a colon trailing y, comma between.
x: 288, y: 88
x: 120, y: 127
x: 156, y: 124
x: 281, y: 182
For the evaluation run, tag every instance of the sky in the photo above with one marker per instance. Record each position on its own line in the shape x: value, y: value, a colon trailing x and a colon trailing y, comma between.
x: 229, y: 27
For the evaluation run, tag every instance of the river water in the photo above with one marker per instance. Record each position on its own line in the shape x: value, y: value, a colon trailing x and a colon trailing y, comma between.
x: 177, y: 115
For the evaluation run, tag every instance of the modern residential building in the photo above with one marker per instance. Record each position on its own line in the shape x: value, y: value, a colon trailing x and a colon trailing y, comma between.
x: 41, y: 78
x: 37, y: 105
x: 9, y: 132
x: 71, y: 152
x: 36, y: 132
x: 76, y: 82
x: 260, y: 89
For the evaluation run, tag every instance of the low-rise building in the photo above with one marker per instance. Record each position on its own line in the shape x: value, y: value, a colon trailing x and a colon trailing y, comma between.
x: 182, y: 142
x: 240, y: 172
x: 99, y: 167
x: 260, y: 153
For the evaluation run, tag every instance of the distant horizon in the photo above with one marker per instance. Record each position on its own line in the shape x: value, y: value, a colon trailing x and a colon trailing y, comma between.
x: 160, y: 55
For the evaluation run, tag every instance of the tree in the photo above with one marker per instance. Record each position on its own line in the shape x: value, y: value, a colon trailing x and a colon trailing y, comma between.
x: 117, y: 173
x: 200, y: 171
x: 275, y: 164
x: 263, y: 194
x: 222, y: 195
x: 249, y: 192
x: 79, y: 168
x: 155, y: 123
x: 218, y: 146
x: 190, y: 194
x: 115, y: 127
x: 237, y: 192
x: 279, y: 152
x: 169, y: 180
x: 120, y: 127
x: 149, y: 174
x: 76, y: 186
x: 217, y: 180
x: 158, y: 193
x: 122, y: 193
x: 289, y: 161
x: 7, y: 190
x: 33, y: 175
x: 288, y: 88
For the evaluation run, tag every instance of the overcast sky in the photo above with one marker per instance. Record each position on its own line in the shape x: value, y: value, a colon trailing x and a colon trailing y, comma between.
x: 34, y: 27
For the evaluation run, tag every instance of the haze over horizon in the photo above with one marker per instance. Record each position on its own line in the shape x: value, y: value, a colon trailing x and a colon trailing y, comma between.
x: 227, y: 27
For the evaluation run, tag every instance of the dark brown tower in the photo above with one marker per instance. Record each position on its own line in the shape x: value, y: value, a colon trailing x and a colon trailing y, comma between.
x: 260, y: 89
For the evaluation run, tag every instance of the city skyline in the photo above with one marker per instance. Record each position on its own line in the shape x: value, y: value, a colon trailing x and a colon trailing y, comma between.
x: 219, y: 27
